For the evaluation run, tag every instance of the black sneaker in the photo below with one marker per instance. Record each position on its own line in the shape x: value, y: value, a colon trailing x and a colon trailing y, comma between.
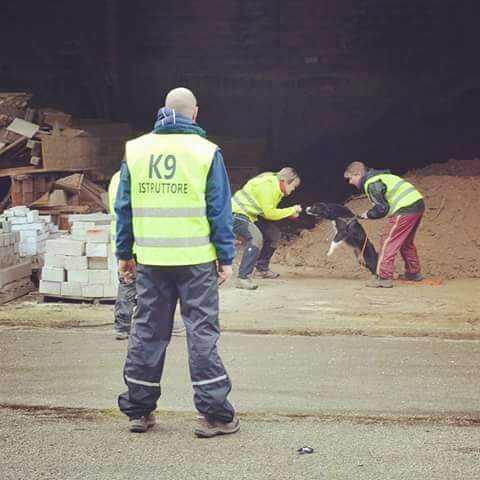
x: 142, y: 424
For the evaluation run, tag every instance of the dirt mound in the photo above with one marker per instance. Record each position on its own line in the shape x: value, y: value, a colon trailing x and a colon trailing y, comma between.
x: 448, y: 240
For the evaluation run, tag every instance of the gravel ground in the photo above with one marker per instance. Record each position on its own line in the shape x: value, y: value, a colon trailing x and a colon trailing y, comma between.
x: 52, y: 445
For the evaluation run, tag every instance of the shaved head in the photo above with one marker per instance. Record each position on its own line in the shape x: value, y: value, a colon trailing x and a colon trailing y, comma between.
x: 183, y: 101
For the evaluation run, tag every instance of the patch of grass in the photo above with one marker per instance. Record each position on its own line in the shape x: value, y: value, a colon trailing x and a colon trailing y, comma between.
x: 55, y: 315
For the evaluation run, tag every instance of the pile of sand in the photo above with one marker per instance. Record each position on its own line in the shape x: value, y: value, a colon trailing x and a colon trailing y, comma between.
x: 448, y: 240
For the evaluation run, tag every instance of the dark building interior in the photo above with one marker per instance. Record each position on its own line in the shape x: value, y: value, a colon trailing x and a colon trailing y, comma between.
x: 317, y: 83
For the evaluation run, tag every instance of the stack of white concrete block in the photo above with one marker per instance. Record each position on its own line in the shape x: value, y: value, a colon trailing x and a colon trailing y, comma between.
x: 33, y: 231
x: 14, y: 272
x: 81, y: 265
x: 8, y: 244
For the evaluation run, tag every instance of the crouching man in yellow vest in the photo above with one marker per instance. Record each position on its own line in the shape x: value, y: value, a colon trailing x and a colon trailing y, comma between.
x: 255, y: 206
x: 398, y: 199
x: 173, y: 203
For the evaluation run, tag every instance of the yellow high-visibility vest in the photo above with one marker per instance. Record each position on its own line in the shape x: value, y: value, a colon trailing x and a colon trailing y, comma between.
x: 168, y: 177
x: 399, y: 192
x: 260, y: 196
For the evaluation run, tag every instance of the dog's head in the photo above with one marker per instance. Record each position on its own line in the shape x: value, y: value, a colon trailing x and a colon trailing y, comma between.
x: 329, y: 211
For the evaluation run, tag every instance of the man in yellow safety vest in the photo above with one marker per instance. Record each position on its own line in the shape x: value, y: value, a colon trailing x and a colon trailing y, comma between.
x: 398, y: 199
x: 174, y: 204
x: 255, y: 208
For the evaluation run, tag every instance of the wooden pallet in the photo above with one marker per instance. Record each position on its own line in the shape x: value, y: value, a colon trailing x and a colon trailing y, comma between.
x: 15, y: 290
x: 42, y: 298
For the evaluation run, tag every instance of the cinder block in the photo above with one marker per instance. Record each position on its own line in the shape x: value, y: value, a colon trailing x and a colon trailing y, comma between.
x: 4, y: 239
x: 114, y: 277
x: 53, y: 274
x: 92, y: 291
x: 19, y: 220
x: 76, y: 263
x: 33, y: 216
x: 97, y: 250
x: 20, y: 211
x: 6, y: 226
x: 78, y: 234
x: 110, y: 291
x: 112, y: 262
x: 71, y: 289
x: 52, y: 260
x: 98, y: 263
x: 50, y: 288
x: 99, y: 276
x: 98, y: 235
x: 41, y: 226
x: 80, y: 276
x: 15, y: 272
x: 26, y: 235
x: 65, y: 246
x: 28, y: 248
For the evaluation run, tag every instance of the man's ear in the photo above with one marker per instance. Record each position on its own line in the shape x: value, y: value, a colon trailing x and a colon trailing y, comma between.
x: 195, y: 114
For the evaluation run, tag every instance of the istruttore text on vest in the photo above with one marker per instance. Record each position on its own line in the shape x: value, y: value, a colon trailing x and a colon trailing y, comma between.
x: 163, y: 167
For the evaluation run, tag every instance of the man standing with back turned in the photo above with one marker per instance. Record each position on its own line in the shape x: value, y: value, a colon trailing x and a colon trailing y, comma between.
x: 398, y: 199
x: 174, y: 203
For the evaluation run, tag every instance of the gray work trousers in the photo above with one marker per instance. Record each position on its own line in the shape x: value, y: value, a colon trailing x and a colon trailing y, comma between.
x: 158, y: 289
x: 124, y: 305
x: 260, y: 241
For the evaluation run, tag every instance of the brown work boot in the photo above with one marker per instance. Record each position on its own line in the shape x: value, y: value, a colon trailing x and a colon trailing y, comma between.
x: 411, y: 277
x: 378, y: 282
x: 246, y: 284
x: 265, y: 274
x: 210, y: 428
x: 142, y: 424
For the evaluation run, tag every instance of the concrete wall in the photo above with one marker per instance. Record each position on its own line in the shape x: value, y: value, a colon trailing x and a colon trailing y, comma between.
x: 323, y: 82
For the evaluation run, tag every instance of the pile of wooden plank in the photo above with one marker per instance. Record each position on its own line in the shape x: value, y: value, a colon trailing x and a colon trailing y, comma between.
x: 75, y: 193
x: 55, y: 163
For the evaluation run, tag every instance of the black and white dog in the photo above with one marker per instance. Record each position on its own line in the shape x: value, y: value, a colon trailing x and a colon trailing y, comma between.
x: 347, y: 229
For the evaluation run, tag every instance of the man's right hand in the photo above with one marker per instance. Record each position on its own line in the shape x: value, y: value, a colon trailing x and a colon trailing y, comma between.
x: 127, y: 270
x: 224, y: 273
x: 298, y: 210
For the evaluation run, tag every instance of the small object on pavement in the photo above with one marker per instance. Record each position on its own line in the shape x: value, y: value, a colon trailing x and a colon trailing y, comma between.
x: 303, y: 450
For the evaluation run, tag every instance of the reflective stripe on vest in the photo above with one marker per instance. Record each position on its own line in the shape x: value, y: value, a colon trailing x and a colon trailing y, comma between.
x: 399, y: 193
x: 244, y: 202
x: 247, y: 203
x: 169, y: 212
x: 168, y: 178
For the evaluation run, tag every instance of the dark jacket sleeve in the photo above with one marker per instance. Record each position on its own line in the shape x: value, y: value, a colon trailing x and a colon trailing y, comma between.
x: 123, y: 213
x: 376, y: 192
x: 219, y: 210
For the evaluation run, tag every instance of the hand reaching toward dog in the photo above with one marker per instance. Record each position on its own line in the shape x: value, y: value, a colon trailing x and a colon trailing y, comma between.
x: 298, y: 210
